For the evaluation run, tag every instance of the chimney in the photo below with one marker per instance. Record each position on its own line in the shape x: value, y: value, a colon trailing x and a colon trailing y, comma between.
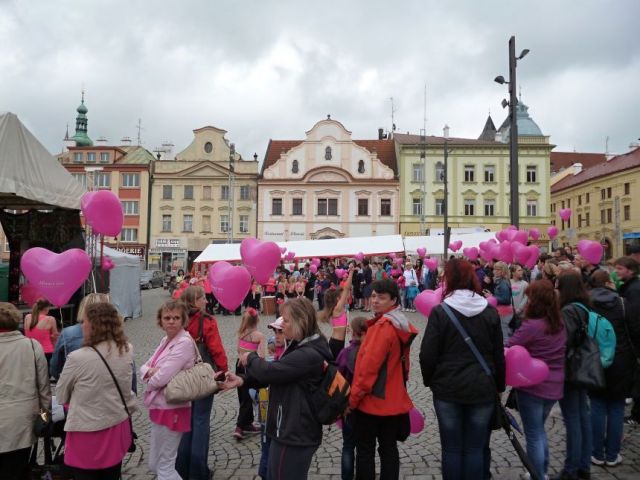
x: 125, y: 141
x: 381, y: 135
x: 577, y: 168
x: 445, y: 131
x: 101, y: 142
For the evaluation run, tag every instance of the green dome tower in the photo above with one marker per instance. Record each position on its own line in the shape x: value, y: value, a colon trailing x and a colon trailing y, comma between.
x: 81, y: 138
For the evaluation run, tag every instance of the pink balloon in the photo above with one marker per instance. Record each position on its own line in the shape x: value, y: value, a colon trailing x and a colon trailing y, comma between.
x: 102, y: 211
x: 283, y: 250
x: 471, y: 253
x: 56, y: 275
x: 399, y: 261
x: 290, y: 255
x: 30, y: 294
x: 229, y: 284
x: 552, y: 232
x: 313, y: 268
x: 426, y: 300
x: 455, y: 246
x: 532, y: 256
x: 522, y: 370
x: 493, y: 301
x: 106, y: 264
x: 519, y: 236
x: 392, y: 255
x: 359, y: 256
x: 502, y: 235
x: 505, y: 252
x: 316, y: 262
x: 416, y: 421
x: 591, y: 251
x: 339, y: 272
x: 421, y: 252
x: 534, y: 233
x: 431, y: 263
x: 260, y: 258
x: 565, y: 214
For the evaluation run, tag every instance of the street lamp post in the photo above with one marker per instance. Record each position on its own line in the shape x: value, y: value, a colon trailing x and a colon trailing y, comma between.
x: 232, y: 153
x: 513, y: 129
x: 445, y: 205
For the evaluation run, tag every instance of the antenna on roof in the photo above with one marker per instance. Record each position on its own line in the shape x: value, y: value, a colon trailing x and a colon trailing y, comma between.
x: 606, y: 145
x: 139, y: 128
x: 393, y: 111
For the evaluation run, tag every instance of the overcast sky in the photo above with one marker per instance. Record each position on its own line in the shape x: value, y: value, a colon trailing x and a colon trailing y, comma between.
x: 264, y: 69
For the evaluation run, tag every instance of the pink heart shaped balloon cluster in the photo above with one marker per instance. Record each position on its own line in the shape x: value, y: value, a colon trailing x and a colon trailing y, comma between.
x: 421, y: 252
x: 260, y: 258
x: 511, y: 246
x: 591, y: 251
x: 103, y: 212
x: 522, y: 370
x: 229, y: 284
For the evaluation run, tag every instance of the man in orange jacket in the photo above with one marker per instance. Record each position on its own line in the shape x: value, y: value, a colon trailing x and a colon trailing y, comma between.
x: 379, y: 398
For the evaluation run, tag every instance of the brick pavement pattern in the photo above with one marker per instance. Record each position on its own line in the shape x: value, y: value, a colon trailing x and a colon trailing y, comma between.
x: 419, y: 455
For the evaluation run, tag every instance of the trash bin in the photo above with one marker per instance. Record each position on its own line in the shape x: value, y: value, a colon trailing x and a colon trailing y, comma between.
x: 4, y: 282
x: 269, y: 305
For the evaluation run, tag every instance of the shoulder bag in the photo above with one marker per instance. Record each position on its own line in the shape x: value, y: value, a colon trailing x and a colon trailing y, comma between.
x: 201, y: 344
x: 192, y: 384
x: 132, y: 447
x: 635, y: 387
x: 42, y: 419
x: 584, y: 368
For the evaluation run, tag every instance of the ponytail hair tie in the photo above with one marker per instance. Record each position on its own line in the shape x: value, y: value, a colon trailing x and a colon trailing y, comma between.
x: 252, y: 311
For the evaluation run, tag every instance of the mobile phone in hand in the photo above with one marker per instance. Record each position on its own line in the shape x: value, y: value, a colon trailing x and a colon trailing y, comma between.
x: 220, y: 376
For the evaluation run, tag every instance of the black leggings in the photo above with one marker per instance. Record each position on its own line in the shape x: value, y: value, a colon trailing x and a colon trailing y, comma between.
x: 245, y: 412
x: 111, y: 473
x: 336, y: 346
x: 15, y: 464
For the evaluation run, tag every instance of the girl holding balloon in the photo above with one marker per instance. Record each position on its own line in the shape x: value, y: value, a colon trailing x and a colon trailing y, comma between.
x: 335, y: 302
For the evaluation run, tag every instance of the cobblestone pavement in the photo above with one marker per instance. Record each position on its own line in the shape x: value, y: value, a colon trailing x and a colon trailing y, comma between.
x: 419, y: 455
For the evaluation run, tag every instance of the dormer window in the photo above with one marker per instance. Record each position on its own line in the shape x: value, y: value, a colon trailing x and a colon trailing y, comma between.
x: 361, y: 166
x: 208, y: 147
x: 294, y: 167
x: 327, y: 153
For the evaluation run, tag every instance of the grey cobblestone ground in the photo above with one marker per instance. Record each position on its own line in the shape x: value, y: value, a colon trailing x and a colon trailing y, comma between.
x: 419, y: 455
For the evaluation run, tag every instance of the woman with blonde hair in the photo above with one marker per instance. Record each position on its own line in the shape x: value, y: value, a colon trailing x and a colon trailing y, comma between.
x: 250, y: 339
x: 96, y: 383
x: 502, y: 292
x: 335, y: 301
x: 41, y: 326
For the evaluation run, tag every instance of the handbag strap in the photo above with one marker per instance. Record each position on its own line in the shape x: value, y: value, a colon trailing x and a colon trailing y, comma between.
x: 35, y: 367
x: 467, y: 339
x: 114, y: 381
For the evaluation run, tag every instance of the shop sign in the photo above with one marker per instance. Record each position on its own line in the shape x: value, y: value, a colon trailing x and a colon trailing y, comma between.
x: 168, y: 242
x: 137, y: 251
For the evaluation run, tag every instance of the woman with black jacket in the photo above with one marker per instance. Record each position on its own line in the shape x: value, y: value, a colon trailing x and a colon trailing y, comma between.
x: 291, y: 424
x: 464, y: 397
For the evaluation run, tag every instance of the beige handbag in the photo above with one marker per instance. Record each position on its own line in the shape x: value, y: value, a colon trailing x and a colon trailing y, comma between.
x: 193, y: 384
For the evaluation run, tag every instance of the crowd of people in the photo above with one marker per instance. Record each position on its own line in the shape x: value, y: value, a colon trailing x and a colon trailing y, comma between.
x: 546, y: 310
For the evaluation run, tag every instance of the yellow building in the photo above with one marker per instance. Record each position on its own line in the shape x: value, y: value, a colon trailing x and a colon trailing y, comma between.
x: 478, y: 179
x: 195, y: 202
x: 600, y: 198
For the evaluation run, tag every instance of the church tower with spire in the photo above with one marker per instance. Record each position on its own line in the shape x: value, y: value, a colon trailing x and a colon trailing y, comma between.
x: 81, y: 138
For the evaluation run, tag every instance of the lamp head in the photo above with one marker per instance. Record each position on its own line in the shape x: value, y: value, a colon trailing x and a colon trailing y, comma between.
x: 523, y: 54
x: 504, y: 103
x: 500, y: 79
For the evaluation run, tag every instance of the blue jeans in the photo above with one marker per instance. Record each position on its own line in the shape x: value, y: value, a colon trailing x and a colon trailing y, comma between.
x: 265, y: 443
x: 348, y: 448
x: 607, y: 420
x: 463, y: 434
x: 577, y: 423
x: 534, y: 411
x: 192, y: 462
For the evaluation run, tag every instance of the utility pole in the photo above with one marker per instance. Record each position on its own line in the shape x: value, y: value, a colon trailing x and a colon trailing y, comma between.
x: 232, y: 154
x: 446, y: 233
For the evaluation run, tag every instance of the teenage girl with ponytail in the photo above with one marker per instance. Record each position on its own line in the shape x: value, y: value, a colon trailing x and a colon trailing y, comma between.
x: 41, y: 326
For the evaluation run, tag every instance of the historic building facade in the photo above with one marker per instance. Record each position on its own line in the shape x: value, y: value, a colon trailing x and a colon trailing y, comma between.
x: 205, y: 194
x: 601, y: 199
x: 328, y: 186
x: 478, y: 179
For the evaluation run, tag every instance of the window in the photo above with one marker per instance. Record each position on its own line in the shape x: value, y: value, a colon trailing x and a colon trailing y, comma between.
x: 167, y: 192
x: 627, y: 188
x: 489, y: 173
x: 104, y: 157
x: 553, y: 208
x: 603, y: 194
x: 417, y: 206
x: 627, y: 212
x: 102, y: 180
x: 245, y: 192
x: 532, y: 208
x: 77, y: 157
x: 188, y: 192
x: 296, y: 206
x: 417, y: 173
x: 81, y: 178
x: 586, y: 199
x: 327, y: 153
x: 91, y: 157
x: 166, y: 223
x: 489, y: 208
x: 469, y: 207
x: 206, y: 223
x: 439, y: 207
x: 276, y: 206
x: 187, y: 223
x: 206, y: 192
x: 579, y: 220
x: 608, y: 192
x: 603, y: 216
x: 129, y: 235
x: 130, y: 207
x: 609, y: 215
x: 568, y: 203
x: 469, y: 173
x: 244, y: 223
x: 385, y: 207
x: 363, y: 207
x: 328, y: 206
x: 579, y: 199
x: 224, y: 192
x: 361, y: 166
x: 532, y: 174
x: 208, y: 147
x: 130, y: 179
x: 295, y: 168
x: 224, y: 223
x: 586, y: 219
x: 562, y: 203
x: 439, y: 172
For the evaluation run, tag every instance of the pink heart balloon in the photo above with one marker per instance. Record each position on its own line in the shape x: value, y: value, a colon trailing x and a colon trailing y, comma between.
x: 290, y: 255
x: 455, y: 246
x: 313, y: 268
x: 534, y: 233
x: 56, y: 275
x: 106, y: 264
x: 552, y: 232
x: 316, y: 262
x: 505, y: 252
x: 431, y: 263
x: 426, y: 300
x: 260, y: 258
x: 283, y: 250
x: 416, y: 421
x: 392, y: 255
x: 339, y: 272
x: 533, y: 253
x: 493, y: 301
x: 103, y: 212
x: 359, y: 256
x: 29, y: 294
x: 565, y: 214
x: 591, y: 251
x: 399, y: 261
x: 421, y: 252
x: 471, y: 253
x: 229, y: 284
x: 502, y: 235
x: 519, y: 236
x: 522, y: 370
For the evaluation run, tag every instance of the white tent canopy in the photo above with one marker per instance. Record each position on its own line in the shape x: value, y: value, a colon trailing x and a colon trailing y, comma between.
x: 435, y: 243
x: 124, y: 282
x: 29, y: 175
x: 338, y: 247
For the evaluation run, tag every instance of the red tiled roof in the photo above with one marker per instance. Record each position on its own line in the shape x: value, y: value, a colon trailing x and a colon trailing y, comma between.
x: 615, y: 165
x: 385, y: 150
x: 562, y: 160
x: 410, y: 139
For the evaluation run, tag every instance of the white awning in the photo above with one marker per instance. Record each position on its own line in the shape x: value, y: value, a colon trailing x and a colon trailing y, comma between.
x: 435, y: 243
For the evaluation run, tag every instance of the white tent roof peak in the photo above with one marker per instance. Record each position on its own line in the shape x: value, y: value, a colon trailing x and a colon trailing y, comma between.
x: 30, y: 177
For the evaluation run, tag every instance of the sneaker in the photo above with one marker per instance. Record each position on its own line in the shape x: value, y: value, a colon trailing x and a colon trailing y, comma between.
x: 631, y: 421
x: 253, y: 428
x: 596, y: 461
x: 237, y: 434
x: 615, y: 462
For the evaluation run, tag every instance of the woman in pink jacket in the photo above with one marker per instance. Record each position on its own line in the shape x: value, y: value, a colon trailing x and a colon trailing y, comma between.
x: 176, y: 352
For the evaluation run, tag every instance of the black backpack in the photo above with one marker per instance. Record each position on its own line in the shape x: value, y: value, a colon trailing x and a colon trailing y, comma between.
x: 330, y: 398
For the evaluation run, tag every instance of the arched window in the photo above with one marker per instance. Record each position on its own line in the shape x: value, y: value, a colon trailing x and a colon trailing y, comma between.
x: 327, y: 153
x: 361, y: 166
x: 294, y: 166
